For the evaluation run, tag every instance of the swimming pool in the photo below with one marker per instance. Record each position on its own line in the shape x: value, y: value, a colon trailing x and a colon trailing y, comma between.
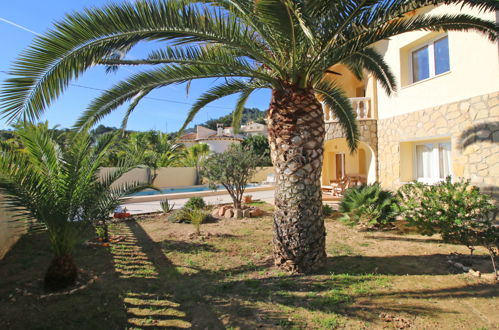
x: 163, y: 191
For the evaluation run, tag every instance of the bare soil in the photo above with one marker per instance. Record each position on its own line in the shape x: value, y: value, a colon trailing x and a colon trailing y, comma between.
x: 163, y: 276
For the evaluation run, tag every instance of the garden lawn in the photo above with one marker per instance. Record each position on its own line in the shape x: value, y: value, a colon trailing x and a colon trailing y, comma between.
x: 161, y: 276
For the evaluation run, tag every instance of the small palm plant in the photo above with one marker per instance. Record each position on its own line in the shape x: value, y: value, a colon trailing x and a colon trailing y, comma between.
x: 368, y: 206
x: 197, y: 217
x: 57, y: 185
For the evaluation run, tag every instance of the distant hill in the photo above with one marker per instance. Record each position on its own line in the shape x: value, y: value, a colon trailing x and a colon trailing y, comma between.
x: 249, y: 114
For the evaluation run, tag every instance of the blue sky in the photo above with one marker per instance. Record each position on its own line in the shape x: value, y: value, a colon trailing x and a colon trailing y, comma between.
x: 38, y: 16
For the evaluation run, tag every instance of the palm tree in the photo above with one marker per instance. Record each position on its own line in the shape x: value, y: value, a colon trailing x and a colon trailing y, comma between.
x: 57, y: 185
x: 194, y: 156
x: 287, y: 46
x: 153, y: 149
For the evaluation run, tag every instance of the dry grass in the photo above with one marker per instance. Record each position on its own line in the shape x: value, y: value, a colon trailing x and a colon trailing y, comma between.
x: 162, y: 277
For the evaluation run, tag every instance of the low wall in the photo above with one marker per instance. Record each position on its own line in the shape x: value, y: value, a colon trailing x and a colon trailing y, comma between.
x: 10, y: 230
x: 174, y: 176
x: 262, y: 173
x: 135, y: 175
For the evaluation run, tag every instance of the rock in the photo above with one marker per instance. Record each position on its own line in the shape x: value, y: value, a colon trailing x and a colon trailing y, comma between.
x: 246, y: 213
x: 229, y: 213
x: 222, y: 210
x: 256, y: 213
x: 215, y: 212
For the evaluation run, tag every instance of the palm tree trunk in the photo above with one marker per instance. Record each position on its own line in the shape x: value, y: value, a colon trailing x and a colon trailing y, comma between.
x: 61, y: 273
x: 296, y: 137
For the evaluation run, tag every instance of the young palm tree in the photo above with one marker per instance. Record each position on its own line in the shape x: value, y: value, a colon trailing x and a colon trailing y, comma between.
x: 57, y: 184
x: 153, y: 149
x: 287, y: 46
x: 194, y: 156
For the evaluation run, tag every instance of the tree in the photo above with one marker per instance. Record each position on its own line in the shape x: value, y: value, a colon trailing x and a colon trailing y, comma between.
x: 57, y: 184
x: 260, y: 146
x: 233, y: 169
x: 287, y: 46
x: 194, y: 156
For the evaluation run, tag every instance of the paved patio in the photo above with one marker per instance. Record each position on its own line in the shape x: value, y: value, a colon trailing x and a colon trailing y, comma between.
x: 147, y: 207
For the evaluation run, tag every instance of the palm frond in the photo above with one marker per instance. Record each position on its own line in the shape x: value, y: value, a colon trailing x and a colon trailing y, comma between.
x: 334, y: 98
x: 370, y: 60
x: 237, y: 114
x: 82, y: 40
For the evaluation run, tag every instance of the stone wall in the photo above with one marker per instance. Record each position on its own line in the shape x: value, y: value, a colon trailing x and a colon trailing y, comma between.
x: 10, y: 228
x: 471, y: 124
x: 368, y: 134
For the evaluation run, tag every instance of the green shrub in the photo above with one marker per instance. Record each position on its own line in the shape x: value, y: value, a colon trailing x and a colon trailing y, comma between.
x: 185, y: 215
x: 197, y: 217
x: 195, y: 203
x: 368, y: 206
x: 443, y: 207
x: 456, y: 210
x: 327, y: 210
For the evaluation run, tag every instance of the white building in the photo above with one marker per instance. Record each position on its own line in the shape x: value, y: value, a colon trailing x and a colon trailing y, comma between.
x: 218, y: 140
x: 253, y: 129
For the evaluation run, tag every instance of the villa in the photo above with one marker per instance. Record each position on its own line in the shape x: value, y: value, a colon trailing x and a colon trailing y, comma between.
x: 218, y: 140
x: 443, y: 120
x: 252, y: 129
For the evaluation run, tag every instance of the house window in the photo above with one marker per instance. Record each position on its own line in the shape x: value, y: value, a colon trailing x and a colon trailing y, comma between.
x: 433, y: 161
x: 430, y: 59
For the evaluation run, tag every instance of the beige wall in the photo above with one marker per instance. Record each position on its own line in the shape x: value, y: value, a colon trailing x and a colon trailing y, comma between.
x: 135, y: 175
x: 175, y: 177
x: 472, y: 125
x: 262, y: 173
x: 10, y: 230
x: 474, y: 69
x: 361, y: 161
x: 368, y: 142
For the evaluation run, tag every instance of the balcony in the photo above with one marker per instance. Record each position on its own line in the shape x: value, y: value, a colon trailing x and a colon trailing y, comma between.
x: 361, y: 105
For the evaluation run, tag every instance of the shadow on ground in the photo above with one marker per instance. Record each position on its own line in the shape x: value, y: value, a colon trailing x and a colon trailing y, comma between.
x: 346, y: 286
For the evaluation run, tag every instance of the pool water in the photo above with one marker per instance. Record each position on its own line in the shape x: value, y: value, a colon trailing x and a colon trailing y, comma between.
x: 184, y: 190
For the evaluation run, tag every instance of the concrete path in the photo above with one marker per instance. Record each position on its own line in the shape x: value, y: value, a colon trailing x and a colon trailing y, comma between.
x: 147, y: 207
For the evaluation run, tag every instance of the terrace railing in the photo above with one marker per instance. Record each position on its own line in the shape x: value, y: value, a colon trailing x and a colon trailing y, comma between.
x: 361, y: 105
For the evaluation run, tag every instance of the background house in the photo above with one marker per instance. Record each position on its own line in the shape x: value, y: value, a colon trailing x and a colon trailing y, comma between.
x: 218, y: 140
x: 443, y: 120
x: 252, y: 129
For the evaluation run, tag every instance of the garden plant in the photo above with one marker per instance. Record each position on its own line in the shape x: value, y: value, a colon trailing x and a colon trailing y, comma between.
x: 368, y: 206
x: 233, y: 169
x: 289, y: 47
x: 57, y: 184
x: 456, y: 210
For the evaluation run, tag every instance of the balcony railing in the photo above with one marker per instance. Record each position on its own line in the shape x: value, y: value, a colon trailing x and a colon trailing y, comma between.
x: 361, y: 105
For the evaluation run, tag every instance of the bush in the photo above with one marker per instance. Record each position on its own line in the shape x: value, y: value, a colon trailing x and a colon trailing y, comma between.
x: 327, y: 210
x: 195, y: 203
x: 458, y: 211
x: 233, y: 169
x: 443, y: 207
x: 368, y: 206
x: 178, y: 216
x: 185, y: 215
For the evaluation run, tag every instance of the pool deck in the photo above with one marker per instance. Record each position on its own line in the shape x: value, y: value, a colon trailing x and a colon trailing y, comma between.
x: 140, y: 205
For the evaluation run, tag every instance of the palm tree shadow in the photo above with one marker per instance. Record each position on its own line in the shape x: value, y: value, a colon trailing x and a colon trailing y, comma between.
x: 405, y: 239
x: 478, y: 133
x: 241, y: 299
